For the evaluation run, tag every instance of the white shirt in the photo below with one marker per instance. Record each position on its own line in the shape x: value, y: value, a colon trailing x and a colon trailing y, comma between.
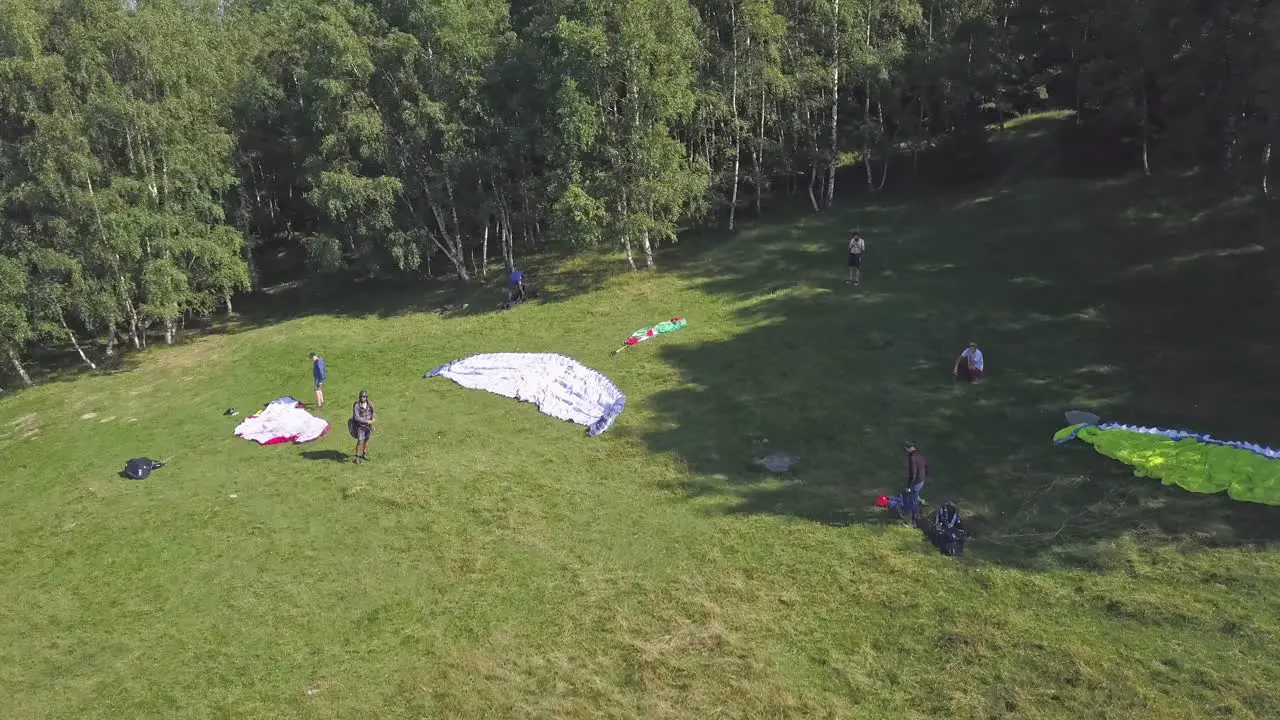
x: 974, y: 355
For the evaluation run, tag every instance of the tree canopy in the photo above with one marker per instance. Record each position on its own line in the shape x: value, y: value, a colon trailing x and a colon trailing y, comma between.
x: 158, y: 154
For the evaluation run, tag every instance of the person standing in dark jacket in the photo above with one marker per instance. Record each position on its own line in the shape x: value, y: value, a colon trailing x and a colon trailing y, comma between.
x: 361, y: 424
x: 917, y: 472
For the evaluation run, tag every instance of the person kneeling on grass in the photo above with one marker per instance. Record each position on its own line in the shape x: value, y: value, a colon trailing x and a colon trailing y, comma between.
x: 516, y: 292
x: 361, y: 425
x: 969, y: 366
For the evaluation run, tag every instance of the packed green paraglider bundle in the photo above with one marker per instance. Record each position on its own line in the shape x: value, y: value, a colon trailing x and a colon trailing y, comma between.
x: 648, y: 333
x: 1192, y: 461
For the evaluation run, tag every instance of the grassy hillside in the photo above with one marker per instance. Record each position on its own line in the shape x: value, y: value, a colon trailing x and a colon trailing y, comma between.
x: 493, y: 562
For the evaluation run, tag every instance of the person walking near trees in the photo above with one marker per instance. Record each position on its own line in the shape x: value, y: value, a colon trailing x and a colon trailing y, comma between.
x: 857, y: 246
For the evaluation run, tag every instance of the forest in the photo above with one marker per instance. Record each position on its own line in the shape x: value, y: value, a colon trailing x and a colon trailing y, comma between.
x: 161, y: 158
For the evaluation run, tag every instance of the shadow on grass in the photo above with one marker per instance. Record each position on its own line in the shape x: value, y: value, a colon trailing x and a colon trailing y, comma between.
x: 1098, y: 297
x: 387, y: 298
x: 342, y: 297
x: 558, y: 281
x: 324, y: 455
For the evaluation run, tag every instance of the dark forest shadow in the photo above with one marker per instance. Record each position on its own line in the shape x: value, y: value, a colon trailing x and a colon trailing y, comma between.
x: 387, y: 297
x: 915, y: 177
x: 338, y: 296
x: 1100, y: 297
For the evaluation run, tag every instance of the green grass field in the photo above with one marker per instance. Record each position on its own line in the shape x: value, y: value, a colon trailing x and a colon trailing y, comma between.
x: 491, y: 562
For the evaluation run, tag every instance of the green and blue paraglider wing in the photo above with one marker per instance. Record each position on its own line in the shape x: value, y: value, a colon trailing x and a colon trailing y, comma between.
x: 1192, y: 461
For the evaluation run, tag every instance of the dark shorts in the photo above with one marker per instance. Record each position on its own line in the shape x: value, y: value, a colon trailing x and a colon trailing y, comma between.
x: 360, y: 431
x: 855, y: 260
x: 969, y: 372
x: 319, y: 384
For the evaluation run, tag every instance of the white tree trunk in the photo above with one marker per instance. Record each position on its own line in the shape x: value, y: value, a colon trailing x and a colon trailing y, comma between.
x: 835, y: 105
x: 759, y: 156
x: 134, y: 334
x: 169, y: 329
x: 1266, y: 169
x: 111, y: 342
x: 452, y: 244
x: 484, y: 252
x: 867, y: 154
x: 648, y: 251
x: 226, y: 300
x: 884, y: 176
x: 626, y: 243
x: 737, y: 126
x: 505, y: 234
x: 813, y: 178
x: 1146, y: 159
x: 17, y: 366
x: 866, y: 162
x: 76, y: 344
x: 509, y: 247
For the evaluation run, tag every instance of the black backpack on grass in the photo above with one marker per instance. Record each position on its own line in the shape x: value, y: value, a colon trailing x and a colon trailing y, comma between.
x: 140, y: 468
x: 946, y: 531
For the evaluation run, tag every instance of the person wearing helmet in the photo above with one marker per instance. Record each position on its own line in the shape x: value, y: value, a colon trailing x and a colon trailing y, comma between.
x: 362, y: 418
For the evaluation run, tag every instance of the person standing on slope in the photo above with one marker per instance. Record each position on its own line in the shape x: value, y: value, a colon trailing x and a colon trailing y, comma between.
x: 917, y: 470
x: 361, y: 425
x: 857, y: 246
x: 318, y: 373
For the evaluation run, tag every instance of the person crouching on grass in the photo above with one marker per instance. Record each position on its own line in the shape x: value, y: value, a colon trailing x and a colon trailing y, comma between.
x: 361, y: 425
x: 969, y: 366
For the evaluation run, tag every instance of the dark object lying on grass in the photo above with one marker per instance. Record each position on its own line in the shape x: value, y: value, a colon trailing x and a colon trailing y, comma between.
x: 943, y: 529
x: 515, y: 296
x: 140, y: 468
x: 779, y: 462
x: 946, y: 531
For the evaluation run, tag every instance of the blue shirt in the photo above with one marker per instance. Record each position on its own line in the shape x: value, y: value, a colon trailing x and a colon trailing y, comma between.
x: 516, y: 277
x: 318, y: 370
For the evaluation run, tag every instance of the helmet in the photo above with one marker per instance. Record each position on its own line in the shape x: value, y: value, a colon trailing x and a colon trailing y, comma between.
x: 364, y: 394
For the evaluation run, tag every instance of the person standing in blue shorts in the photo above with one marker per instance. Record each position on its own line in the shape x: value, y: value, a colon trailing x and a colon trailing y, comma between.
x: 319, y: 373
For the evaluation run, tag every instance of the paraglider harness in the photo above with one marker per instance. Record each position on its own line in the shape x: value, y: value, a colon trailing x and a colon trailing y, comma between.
x: 945, y: 530
x: 140, y: 468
